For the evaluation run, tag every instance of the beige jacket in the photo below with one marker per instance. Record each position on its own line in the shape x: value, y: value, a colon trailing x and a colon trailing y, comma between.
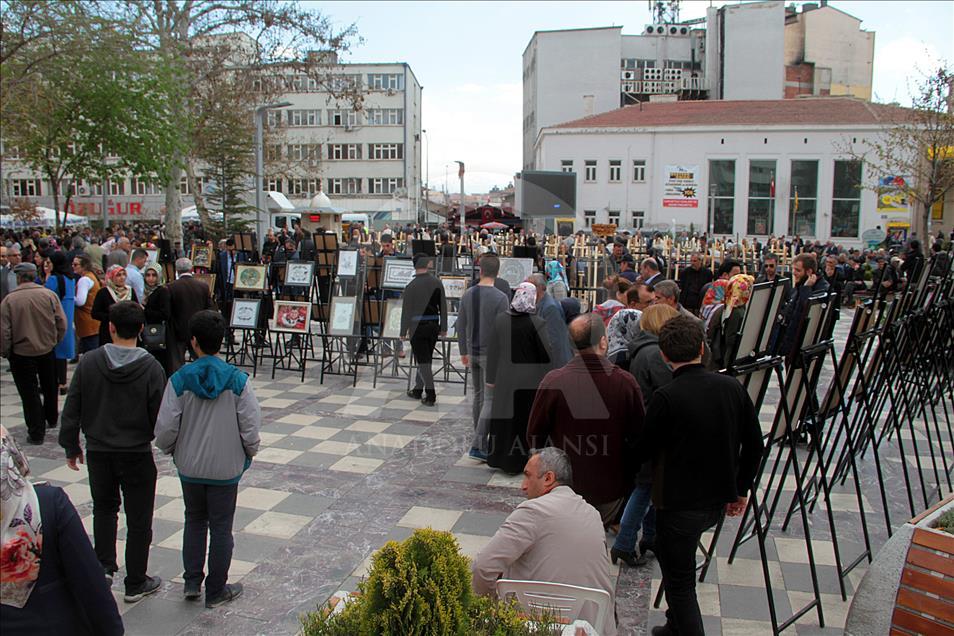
x: 32, y: 321
x: 556, y: 538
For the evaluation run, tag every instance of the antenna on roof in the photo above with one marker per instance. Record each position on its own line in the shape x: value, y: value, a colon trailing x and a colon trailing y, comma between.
x: 664, y: 11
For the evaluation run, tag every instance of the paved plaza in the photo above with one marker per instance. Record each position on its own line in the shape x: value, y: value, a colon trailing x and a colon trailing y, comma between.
x: 344, y: 469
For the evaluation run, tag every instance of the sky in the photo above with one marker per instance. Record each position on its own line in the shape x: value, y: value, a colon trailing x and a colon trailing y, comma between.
x: 468, y: 58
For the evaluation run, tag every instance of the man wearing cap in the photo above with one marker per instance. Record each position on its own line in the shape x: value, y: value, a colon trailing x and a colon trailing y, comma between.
x: 32, y: 322
x: 423, y: 320
x: 627, y: 268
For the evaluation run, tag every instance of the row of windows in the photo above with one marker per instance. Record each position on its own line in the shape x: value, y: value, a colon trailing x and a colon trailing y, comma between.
x: 78, y: 187
x: 338, y: 83
x: 636, y: 218
x: 344, y: 185
x: 638, y: 170
x: 301, y: 118
x: 335, y: 152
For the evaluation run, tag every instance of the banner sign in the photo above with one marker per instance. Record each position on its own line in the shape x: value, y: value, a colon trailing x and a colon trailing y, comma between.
x: 681, y: 187
x: 893, y: 195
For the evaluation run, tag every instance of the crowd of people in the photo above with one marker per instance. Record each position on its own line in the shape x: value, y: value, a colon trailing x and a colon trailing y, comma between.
x: 612, y: 413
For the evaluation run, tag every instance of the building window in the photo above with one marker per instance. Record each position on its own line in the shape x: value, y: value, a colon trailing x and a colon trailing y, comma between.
x: 638, y: 218
x: 303, y: 187
x: 184, y: 187
x: 385, y: 151
x: 386, y: 185
x: 344, y: 151
x: 613, y: 216
x: 566, y: 165
x: 117, y: 187
x: 639, y: 170
x: 273, y: 185
x: 615, y: 170
x: 761, y: 197
x: 25, y: 187
x: 344, y: 186
x: 385, y: 81
x: 846, y: 199
x: 273, y: 118
x: 303, y: 152
x: 141, y: 187
x: 803, y: 206
x: 346, y: 118
x: 385, y: 116
x: 589, y: 170
x: 298, y: 118
x: 273, y: 152
x: 722, y: 195
x: 589, y: 217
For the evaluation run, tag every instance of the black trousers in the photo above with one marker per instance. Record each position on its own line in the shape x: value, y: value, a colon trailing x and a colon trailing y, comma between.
x: 424, y: 336
x: 134, y: 474
x: 34, y: 375
x: 677, y: 536
x: 209, y: 513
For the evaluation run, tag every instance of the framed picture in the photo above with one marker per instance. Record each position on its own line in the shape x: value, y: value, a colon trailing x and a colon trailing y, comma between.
x: 348, y: 263
x: 201, y: 255
x: 250, y: 277
x: 398, y: 272
x: 245, y: 313
x: 152, y: 256
x: 515, y: 270
x: 299, y: 273
x: 392, y: 319
x: 292, y: 316
x: 208, y: 279
x: 464, y: 263
x: 451, y: 326
x: 343, y: 310
x: 454, y: 286
x: 244, y: 241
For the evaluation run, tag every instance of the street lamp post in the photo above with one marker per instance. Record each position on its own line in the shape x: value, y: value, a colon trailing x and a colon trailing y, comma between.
x: 427, y: 176
x: 260, y: 164
x: 462, y: 211
x: 712, y: 193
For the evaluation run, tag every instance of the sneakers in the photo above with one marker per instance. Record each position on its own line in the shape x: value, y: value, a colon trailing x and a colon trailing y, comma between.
x: 229, y: 593
x: 415, y: 393
x: 192, y: 591
x: 429, y: 400
x: 109, y: 576
x: 476, y: 454
x: 147, y: 587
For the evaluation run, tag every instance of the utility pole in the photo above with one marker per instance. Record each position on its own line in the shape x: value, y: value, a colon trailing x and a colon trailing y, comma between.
x: 463, y: 209
x: 260, y: 167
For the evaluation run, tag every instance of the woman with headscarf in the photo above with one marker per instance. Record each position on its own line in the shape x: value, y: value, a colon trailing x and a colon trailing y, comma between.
x: 621, y: 332
x: 557, y: 284
x: 723, y: 329
x: 50, y: 578
x: 713, y: 299
x: 116, y: 290
x: 158, y: 310
x: 518, y: 358
x: 60, y: 281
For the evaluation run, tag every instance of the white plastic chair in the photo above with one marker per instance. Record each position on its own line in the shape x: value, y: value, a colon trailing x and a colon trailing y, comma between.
x: 564, y: 602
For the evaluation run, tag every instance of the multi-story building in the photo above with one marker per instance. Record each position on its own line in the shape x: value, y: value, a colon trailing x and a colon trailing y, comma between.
x: 754, y: 50
x: 367, y: 161
x: 748, y: 168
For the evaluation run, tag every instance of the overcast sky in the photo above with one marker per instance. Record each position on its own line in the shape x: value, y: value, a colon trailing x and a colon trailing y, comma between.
x: 467, y: 55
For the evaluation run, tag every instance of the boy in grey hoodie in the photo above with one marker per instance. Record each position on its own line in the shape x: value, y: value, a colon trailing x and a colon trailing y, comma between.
x: 114, y: 398
x: 209, y: 422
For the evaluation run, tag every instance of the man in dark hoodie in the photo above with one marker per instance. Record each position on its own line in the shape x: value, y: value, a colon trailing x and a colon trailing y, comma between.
x: 209, y: 423
x: 423, y: 320
x: 114, y: 398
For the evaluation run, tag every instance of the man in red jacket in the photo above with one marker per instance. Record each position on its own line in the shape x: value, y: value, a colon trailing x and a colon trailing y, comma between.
x: 593, y: 411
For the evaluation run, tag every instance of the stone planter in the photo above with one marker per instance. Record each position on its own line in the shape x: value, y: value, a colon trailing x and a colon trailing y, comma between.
x: 910, y: 584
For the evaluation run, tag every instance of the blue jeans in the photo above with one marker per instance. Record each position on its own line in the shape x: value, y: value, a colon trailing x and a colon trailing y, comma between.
x: 638, y: 511
x: 209, y: 512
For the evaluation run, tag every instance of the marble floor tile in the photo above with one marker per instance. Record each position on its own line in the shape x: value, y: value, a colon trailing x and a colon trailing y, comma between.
x: 424, y: 517
x: 280, y: 525
x: 361, y: 465
x: 260, y: 498
x: 276, y: 455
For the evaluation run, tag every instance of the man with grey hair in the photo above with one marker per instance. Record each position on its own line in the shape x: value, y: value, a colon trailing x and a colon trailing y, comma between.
x: 187, y: 297
x: 552, y: 313
x: 554, y: 536
x: 692, y: 280
x: 649, y: 270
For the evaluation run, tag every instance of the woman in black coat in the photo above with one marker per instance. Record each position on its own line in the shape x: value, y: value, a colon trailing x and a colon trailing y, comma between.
x: 518, y: 358
x: 158, y: 311
x: 115, y: 290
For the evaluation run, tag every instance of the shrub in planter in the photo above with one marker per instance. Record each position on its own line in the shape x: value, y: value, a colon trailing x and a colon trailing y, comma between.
x: 945, y: 523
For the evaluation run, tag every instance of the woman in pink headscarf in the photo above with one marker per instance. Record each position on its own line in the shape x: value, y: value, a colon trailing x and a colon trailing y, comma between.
x: 726, y: 319
x: 518, y: 358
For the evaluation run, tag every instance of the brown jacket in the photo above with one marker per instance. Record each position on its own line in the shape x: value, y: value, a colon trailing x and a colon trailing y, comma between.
x: 86, y: 325
x: 32, y: 321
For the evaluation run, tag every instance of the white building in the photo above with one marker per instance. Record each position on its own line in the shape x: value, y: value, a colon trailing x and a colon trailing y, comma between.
x: 735, y: 167
x: 754, y: 50
x: 366, y: 161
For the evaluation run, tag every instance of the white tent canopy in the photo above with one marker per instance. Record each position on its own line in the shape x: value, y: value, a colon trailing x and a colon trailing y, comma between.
x: 46, y: 218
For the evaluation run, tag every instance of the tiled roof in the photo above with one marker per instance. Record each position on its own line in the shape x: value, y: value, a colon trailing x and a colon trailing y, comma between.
x: 821, y: 111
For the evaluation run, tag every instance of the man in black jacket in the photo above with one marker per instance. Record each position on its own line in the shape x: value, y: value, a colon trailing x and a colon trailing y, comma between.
x: 691, y: 282
x: 423, y: 320
x: 808, y: 283
x: 702, y: 434
x: 187, y: 297
x: 114, y: 398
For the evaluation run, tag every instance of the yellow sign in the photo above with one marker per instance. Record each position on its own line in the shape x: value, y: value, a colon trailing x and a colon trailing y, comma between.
x: 937, y: 211
x: 603, y: 229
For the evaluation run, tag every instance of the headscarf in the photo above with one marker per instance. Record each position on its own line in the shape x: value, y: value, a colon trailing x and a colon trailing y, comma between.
x: 118, y: 294
x: 555, y: 272
x: 524, y: 299
x: 737, y: 293
x: 571, y: 308
x: 61, y: 270
x: 21, y: 525
x: 146, y: 286
x: 713, y: 299
x: 606, y: 310
x: 622, y: 330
